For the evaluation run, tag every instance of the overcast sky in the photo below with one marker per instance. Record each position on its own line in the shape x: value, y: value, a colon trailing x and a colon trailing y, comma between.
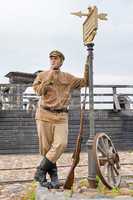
x: 30, y: 29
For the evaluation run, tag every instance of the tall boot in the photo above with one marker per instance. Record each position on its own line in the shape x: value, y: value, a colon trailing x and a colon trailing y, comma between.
x: 54, y: 177
x: 41, y: 172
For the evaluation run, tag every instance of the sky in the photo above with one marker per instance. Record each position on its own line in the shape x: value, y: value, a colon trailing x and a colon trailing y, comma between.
x: 30, y: 29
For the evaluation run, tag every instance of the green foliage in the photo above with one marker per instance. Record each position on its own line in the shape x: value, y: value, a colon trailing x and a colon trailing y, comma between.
x: 30, y: 194
x: 100, y: 186
x: 131, y: 192
x: 104, y: 190
x: 68, y: 193
x: 97, y: 180
x: 130, y: 151
x: 83, y: 182
x: 115, y: 191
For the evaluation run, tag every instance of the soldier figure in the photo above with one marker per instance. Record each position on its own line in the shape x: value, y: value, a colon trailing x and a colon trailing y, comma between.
x: 54, y: 87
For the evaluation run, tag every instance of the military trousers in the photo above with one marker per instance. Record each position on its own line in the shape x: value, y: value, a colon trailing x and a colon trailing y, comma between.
x: 53, y: 138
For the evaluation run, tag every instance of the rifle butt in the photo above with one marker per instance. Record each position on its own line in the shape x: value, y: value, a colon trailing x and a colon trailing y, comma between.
x: 69, y: 180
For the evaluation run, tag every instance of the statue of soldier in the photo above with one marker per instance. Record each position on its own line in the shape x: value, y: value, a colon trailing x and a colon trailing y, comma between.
x: 54, y: 87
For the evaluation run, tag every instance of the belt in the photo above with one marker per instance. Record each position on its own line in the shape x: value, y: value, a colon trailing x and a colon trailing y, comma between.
x: 55, y: 110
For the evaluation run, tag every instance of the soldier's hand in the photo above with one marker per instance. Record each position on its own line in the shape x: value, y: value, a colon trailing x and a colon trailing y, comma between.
x: 49, y: 81
x: 50, y: 75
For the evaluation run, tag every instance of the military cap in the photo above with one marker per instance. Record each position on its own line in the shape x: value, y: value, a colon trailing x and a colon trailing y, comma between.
x: 57, y: 53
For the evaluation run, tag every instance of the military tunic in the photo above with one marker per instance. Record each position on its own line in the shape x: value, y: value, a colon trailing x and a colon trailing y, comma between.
x: 54, y: 94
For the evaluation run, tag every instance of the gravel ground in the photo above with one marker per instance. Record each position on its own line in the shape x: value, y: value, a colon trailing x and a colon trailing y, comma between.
x: 14, y: 191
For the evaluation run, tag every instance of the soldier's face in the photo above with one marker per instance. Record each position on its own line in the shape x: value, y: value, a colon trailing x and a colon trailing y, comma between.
x: 55, y: 62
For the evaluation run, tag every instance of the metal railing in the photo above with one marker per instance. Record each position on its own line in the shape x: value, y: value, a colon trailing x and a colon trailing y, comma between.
x: 13, y: 96
x: 111, y: 97
x: 17, y: 97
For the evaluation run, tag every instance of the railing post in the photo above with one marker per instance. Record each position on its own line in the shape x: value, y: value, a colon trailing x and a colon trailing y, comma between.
x: 116, y: 103
x: 114, y: 90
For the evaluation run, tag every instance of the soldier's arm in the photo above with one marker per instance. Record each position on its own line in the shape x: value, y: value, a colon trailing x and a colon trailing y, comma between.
x: 81, y: 82
x: 40, y: 86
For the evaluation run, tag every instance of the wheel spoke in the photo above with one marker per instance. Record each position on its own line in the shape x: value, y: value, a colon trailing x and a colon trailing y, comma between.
x: 110, y: 149
x: 105, y: 168
x: 109, y: 173
x: 116, y: 171
x: 113, y: 175
x: 107, y: 144
x: 101, y: 150
x: 103, y: 144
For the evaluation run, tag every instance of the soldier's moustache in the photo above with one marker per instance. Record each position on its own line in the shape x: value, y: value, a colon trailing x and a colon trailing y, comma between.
x: 57, y: 67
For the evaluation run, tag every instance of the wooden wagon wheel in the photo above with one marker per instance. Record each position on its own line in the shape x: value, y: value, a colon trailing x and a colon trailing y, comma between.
x: 107, y: 160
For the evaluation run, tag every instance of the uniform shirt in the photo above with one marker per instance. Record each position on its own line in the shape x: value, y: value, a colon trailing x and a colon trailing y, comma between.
x: 55, y: 93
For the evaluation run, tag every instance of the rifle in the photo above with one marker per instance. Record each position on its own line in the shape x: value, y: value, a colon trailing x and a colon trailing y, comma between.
x: 76, y: 155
